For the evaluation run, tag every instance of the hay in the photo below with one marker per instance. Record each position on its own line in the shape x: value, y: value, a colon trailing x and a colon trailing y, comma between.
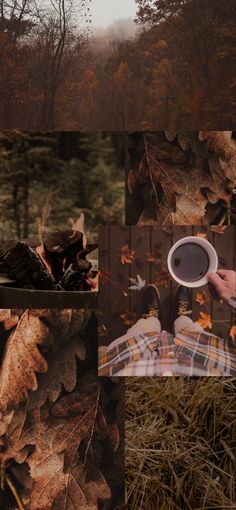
x: 180, y: 443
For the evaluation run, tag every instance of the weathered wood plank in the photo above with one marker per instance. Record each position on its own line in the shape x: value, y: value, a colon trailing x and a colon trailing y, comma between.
x: 104, y: 286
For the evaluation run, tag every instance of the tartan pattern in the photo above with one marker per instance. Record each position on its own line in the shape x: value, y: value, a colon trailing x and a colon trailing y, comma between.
x: 189, y: 353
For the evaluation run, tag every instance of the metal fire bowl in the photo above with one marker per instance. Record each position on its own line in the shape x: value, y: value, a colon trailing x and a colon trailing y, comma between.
x: 11, y: 297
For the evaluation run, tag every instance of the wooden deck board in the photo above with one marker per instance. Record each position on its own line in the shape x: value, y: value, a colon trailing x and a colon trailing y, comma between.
x: 114, y: 297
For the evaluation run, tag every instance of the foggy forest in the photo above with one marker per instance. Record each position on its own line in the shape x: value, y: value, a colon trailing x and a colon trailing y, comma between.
x: 170, y: 66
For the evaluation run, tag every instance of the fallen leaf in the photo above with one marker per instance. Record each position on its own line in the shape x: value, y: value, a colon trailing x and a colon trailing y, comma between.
x: 126, y: 255
x: 162, y: 278
x: 129, y: 318
x: 218, y: 229
x: 232, y: 333
x: 202, y: 235
x: 102, y: 330
x: 103, y: 277
x: 201, y: 298
x: 41, y: 332
x: 137, y: 284
x: 205, y: 320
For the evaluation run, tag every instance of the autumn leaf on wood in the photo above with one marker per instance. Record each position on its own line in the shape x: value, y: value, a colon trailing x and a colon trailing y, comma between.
x: 129, y: 318
x: 103, y: 276
x: 126, y: 255
x: 201, y: 298
x: 202, y: 235
x: 218, y: 229
x: 153, y: 259
x: 232, y: 333
x: 162, y: 277
x: 137, y: 284
x: 102, y: 330
x: 205, y: 320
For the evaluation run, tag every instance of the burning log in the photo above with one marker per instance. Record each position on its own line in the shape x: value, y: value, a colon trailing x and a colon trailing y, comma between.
x: 26, y: 267
x: 59, y: 250
x: 59, y: 263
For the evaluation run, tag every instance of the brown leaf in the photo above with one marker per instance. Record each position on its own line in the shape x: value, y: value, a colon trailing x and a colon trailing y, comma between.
x: 224, y: 147
x: 201, y: 298
x: 232, y: 333
x: 103, y: 276
x: 129, y: 318
x: 205, y: 320
x: 202, y: 235
x: 81, y: 490
x: 126, y: 255
x: 62, y: 370
x: 218, y: 229
x: 69, y: 433
x: 60, y: 478
x: 22, y: 360
x: 41, y: 330
x: 102, y: 330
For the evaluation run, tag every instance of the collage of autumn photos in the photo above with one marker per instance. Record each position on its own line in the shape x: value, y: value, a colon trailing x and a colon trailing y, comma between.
x: 117, y: 255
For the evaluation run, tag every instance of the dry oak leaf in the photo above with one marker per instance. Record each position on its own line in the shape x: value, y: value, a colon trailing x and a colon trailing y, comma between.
x: 224, y: 146
x: 186, y: 203
x: 82, y: 490
x: 22, y: 359
x: 201, y: 298
x: 80, y: 424
x: 68, y: 325
x: 126, y: 255
x: 205, y: 320
x: 61, y: 481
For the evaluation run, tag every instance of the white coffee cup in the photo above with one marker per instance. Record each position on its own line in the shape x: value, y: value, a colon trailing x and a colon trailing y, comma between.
x: 212, y: 256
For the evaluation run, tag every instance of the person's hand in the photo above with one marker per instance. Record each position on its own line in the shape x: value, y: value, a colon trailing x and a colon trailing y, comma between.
x: 224, y: 282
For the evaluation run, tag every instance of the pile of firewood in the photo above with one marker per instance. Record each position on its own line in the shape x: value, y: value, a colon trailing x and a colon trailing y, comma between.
x: 59, y: 263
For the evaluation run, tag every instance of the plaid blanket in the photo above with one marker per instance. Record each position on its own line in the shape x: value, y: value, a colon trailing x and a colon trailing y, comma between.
x: 161, y: 354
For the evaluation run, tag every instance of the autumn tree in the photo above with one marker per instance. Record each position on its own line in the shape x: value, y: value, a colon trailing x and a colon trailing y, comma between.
x: 202, y: 30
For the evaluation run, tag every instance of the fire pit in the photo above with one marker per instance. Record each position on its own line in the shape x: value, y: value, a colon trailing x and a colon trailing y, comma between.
x: 56, y: 273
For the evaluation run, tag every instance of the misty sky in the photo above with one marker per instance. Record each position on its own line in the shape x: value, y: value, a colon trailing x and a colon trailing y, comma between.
x: 104, y: 12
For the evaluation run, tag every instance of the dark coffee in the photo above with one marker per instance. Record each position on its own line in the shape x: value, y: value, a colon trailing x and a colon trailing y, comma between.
x: 190, y: 262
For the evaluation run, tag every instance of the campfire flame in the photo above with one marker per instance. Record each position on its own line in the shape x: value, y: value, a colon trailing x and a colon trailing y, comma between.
x: 78, y: 226
x: 46, y: 211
